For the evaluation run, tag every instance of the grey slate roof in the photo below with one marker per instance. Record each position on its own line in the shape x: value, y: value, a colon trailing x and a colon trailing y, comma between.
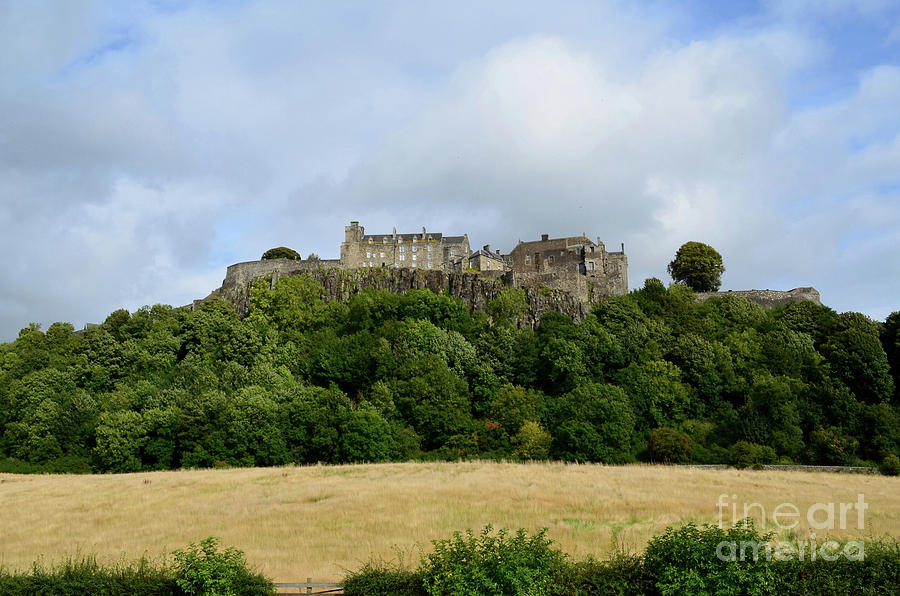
x: 484, y: 253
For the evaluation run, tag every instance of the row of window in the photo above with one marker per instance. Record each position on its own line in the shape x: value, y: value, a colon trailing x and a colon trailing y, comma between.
x: 412, y: 265
x: 370, y: 254
x: 385, y: 240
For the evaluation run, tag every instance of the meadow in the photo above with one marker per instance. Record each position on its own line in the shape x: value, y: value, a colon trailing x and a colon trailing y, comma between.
x: 320, y: 521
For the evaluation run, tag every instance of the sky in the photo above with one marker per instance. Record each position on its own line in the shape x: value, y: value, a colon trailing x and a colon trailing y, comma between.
x: 144, y: 147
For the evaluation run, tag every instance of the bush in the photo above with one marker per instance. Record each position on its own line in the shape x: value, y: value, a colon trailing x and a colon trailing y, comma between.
x: 493, y: 564
x: 692, y: 560
x: 86, y: 576
x: 281, y: 252
x: 378, y: 578
x: 670, y: 446
x: 623, y: 575
x: 747, y: 455
x: 890, y: 466
x: 878, y: 573
x: 202, y: 569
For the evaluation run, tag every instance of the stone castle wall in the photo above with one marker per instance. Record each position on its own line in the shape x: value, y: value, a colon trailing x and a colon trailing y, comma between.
x: 769, y: 298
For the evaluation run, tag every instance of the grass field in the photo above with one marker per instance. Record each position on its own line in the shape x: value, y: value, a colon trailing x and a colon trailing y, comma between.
x: 296, y: 522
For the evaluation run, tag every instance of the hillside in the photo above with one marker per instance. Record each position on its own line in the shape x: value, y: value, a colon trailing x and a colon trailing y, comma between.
x: 381, y: 376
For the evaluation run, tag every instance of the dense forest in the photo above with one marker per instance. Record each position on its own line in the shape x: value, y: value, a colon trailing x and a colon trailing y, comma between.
x: 650, y: 376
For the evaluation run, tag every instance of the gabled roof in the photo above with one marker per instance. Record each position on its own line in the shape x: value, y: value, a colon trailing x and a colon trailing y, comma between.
x: 485, y: 253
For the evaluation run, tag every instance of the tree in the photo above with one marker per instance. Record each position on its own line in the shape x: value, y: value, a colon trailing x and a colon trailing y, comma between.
x: 281, y: 252
x: 699, y: 266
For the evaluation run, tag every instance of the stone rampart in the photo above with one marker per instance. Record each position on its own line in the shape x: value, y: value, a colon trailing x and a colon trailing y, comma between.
x: 768, y: 298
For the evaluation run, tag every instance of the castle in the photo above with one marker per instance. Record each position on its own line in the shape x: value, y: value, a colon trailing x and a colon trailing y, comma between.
x: 556, y: 262
x: 565, y: 275
x: 575, y: 265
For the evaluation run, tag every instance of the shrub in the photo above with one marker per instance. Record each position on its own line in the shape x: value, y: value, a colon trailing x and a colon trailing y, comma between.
x: 745, y: 455
x: 203, y: 569
x: 890, y: 466
x: 493, y: 564
x: 281, y: 252
x: 86, y: 576
x: 378, y: 578
x: 831, y: 447
x: 878, y: 573
x: 623, y: 575
x: 692, y: 560
x: 670, y: 446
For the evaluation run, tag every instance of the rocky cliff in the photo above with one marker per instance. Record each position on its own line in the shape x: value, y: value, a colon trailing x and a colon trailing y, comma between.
x: 475, y: 290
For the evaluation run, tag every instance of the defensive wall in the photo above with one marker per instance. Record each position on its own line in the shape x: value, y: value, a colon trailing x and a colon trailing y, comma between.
x: 769, y: 298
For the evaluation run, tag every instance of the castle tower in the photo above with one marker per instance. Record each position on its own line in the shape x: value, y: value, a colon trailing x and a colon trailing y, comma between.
x: 354, y: 232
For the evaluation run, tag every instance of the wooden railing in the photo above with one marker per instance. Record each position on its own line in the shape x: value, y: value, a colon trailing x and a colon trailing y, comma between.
x: 307, y: 588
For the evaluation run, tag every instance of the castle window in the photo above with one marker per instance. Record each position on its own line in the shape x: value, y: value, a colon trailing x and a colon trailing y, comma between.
x: 429, y: 248
x: 527, y: 259
x: 368, y: 255
x: 402, y: 257
x: 590, y: 265
x: 550, y: 258
x: 452, y: 253
x: 414, y: 257
x: 415, y: 249
x: 382, y: 255
x: 402, y: 249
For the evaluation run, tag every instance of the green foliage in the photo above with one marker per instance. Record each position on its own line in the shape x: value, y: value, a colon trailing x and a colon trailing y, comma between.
x: 689, y: 560
x: 832, y: 447
x: 890, y: 465
x: 532, y: 442
x: 77, y: 577
x: 509, y: 305
x: 657, y: 395
x: 697, y: 265
x: 771, y: 415
x: 622, y: 574
x: 120, y: 436
x: 858, y: 359
x: 383, y: 376
x: 493, y: 564
x: 594, y: 423
x: 202, y: 569
x: 751, y: 455
x: 281, y: 252
x: 670, y: 446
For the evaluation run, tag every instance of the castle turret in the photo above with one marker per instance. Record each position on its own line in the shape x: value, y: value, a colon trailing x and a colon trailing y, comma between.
x: 354, y: 232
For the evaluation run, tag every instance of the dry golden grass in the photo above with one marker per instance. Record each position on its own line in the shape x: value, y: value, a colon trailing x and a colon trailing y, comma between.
x: 296, y: 522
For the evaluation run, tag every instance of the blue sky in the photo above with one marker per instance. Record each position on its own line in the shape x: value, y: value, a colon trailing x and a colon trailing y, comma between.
x: 146, y: 146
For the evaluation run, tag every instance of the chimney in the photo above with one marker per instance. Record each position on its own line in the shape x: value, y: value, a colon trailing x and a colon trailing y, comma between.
x: 423, y: 232
x: 545, y: 237
x: 487, y: 248
x: 394, y: 234
x: 623, y: 248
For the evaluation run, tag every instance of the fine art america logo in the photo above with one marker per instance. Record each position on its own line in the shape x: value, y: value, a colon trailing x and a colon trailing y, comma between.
x: 787, y: 516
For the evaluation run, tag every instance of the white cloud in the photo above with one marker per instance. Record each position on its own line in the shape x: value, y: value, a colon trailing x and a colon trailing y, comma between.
x: 141, y: 151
